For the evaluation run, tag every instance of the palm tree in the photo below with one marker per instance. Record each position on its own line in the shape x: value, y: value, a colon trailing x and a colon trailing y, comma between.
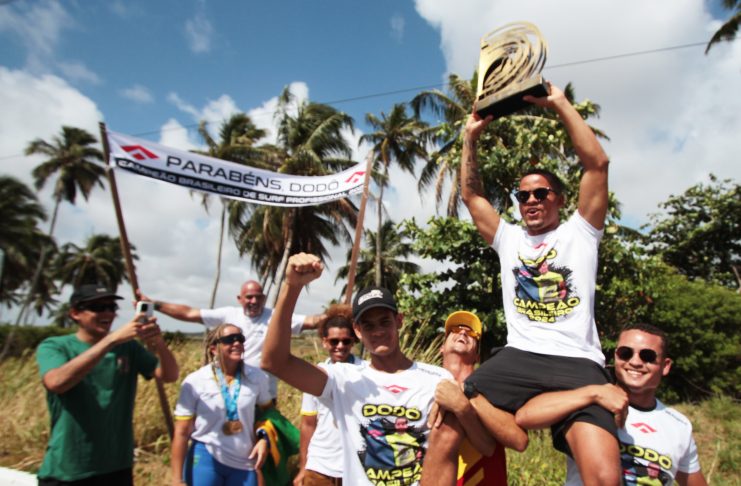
x: 310, y: 142
x: 443, y: 163
x: 100, y: 261
x: 729, y: 29
x: 237, y: 137
x: 72, y: 158
x: 394, y: 261
x: 396, y: 138
x: 21, y: 239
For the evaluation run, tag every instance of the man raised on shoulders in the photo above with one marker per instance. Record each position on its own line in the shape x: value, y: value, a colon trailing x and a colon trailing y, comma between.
x: 381, y: 406
x: 90, y: 379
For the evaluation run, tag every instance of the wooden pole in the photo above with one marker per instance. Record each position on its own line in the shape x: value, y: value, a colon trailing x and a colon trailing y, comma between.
x: 126, y: 250
x: 358, y: 230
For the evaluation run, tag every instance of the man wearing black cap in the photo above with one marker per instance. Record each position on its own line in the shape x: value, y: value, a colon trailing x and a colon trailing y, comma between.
x: 90, y: 377
x: 380, y: 406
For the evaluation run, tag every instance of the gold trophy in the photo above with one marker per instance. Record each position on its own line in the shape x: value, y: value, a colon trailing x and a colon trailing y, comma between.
x: 510, y: 63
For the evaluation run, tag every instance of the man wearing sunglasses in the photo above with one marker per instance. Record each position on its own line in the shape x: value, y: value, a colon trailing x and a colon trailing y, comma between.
x: 90, y: 379
x: 381, y: 406
x: 548, y: 273
x: 481, y: 461
x: 251, y: 316
x: 656, y: 444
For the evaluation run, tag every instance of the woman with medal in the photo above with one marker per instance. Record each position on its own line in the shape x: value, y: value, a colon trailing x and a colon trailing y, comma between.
x: 216, y: 411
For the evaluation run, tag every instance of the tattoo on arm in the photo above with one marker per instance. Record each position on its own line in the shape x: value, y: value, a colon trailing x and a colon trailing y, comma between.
x: 473, y: 179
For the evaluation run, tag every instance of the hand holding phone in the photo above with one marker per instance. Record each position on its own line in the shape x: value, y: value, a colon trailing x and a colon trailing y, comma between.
x: 146, y: 308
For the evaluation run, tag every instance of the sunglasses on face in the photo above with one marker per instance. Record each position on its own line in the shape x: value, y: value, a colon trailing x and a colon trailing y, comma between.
x: 335, y: 341
x: 232, y: 338
x: 458, y: 328
x: 646, y: 355
x: 540, y: 194
x: 100, y: 307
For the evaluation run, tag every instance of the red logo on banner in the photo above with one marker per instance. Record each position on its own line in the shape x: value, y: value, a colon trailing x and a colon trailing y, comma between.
x: 355, y: 176
x: 139, y: 152
x: 645, y: 428
x: 395, y: 389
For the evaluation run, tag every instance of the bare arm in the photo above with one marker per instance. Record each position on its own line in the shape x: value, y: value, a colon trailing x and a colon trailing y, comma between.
x: 307, y: 428
x: 302, y: 268
x: 63, y: 378
x: 691, y: 479
x: 168, y: 370
x: 450, y: 397
x: 176, y: 311
x: 483, y: 213
x: 181, y: 434
x: 546, y: 409
x: 312, y: 322
x: 593, y: 186
x: 500, y: 424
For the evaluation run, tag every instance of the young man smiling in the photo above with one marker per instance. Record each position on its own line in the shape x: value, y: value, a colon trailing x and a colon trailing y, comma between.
x: 656, y: 443
x: 548, y: 282
x: 90, y: 379
x: 380, y: 407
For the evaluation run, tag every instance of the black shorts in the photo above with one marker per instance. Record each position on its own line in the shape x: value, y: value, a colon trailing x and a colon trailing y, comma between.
x: 511, y: 377
x: 123, y: 477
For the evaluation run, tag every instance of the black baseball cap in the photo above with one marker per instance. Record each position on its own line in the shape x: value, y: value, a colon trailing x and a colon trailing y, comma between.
x: 88, y: 292
x: 371, y: 297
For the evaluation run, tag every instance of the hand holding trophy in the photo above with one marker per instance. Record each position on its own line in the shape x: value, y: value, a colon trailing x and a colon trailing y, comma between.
x: 510, y: 63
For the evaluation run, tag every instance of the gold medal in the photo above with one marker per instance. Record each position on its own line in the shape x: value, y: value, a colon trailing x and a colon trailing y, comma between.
x: 232, y: 427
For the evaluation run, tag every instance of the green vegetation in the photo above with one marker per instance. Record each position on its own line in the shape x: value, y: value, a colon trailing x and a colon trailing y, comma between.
x: 25, y: 421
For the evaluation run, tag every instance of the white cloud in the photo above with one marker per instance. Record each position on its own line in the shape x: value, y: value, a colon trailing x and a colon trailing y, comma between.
x: 397, y: 27
x: 198, y: 32
x: 138, y: 94
x: 173, y: 134
x: 670, y: 115
x: 38, y: 28
x: 264, y: 115
x: 77, y: 71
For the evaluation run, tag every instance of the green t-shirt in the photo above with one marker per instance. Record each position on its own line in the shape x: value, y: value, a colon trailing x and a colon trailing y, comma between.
x: 91, y: 429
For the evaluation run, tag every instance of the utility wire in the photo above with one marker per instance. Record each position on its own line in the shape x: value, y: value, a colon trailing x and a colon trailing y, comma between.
x: 440, y: 85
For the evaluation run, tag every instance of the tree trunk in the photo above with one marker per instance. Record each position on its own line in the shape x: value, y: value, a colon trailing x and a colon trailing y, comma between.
x: 379, y: 276
x: 281, y: 272
x: 218, y: 255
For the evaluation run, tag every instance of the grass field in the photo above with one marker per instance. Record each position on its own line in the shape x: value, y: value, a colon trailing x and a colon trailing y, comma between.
x: 25, y: 424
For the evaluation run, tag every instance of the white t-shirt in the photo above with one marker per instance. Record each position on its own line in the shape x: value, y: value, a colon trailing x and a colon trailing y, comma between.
x: 200, y: 397
x: 548, y: 285
x: 382, y: 418
x: 254, y: 330
x: 654, y: 445
x: 325, y: 447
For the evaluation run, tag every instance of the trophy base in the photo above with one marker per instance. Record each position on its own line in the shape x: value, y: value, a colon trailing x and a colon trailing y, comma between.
x: 509, y: 100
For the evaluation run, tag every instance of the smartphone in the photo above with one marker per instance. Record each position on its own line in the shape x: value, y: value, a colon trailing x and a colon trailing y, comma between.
x: 146, y: 308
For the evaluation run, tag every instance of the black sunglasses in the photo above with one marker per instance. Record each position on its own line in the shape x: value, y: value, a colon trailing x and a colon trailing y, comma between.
x: 232, y: 338
x: 100, y: 307
x: 335, y: 341
x: 646, y: 355
x: 540, y: 194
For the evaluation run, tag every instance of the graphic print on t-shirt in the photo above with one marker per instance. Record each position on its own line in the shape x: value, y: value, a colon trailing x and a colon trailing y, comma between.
x: 642, y: 465
x: 543, y: 290
x: 393, y: 449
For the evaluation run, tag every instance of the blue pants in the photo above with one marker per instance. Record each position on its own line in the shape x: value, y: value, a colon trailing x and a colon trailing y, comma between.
x: 201, y: 469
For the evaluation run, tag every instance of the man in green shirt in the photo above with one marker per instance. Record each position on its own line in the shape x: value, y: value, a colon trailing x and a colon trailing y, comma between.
x: 90, y: 378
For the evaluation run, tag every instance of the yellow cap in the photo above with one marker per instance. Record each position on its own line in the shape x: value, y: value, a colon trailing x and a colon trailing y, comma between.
x: 463, y: 318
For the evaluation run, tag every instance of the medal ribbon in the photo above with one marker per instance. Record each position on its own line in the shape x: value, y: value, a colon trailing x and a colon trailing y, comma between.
x: 230, y: 402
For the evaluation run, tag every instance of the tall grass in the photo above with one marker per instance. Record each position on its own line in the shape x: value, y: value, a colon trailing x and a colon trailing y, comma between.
x: 24, y: 422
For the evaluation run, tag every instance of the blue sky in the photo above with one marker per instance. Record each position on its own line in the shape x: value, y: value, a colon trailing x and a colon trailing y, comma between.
x: 155, y: 68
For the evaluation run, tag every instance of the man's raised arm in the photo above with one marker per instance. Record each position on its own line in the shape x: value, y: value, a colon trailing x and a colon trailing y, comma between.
x: 593, y: 186
x: 483, y: 213
x: 302, y: 268
x: 176, y: 311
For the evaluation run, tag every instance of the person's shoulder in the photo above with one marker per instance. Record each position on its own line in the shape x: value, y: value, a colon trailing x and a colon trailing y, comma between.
x: 430, y: 369
x: 253, y: 373
x: 203, y: 373
x: 672, y: 413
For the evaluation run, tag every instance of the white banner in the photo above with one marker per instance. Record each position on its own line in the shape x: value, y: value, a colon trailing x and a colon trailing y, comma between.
x: 227, y: 179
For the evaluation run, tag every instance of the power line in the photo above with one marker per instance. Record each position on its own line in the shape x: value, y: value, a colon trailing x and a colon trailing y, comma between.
x: 440, y: 85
